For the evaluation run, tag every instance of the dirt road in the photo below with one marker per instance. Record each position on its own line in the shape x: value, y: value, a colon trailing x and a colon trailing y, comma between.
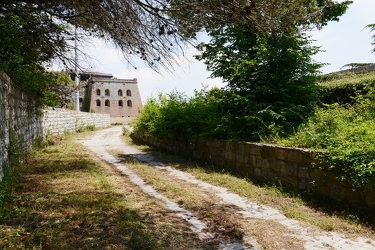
x: 256, y: 226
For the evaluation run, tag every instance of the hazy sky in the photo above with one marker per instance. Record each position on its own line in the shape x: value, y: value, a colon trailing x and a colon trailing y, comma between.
x: 346, y: 41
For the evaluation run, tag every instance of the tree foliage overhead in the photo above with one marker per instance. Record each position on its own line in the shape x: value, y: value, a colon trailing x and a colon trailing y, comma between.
x: 22, y: 53
x: 34, y: 32
x: 152, y: 29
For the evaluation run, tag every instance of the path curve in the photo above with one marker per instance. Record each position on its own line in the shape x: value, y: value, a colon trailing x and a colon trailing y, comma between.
x: 108, y: 139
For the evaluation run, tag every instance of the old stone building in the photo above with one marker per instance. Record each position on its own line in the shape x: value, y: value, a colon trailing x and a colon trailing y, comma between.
x: 106, y: 94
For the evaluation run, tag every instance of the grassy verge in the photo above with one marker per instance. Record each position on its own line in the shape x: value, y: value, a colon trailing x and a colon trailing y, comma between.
x: 339, y: 79
x: 65, y: 199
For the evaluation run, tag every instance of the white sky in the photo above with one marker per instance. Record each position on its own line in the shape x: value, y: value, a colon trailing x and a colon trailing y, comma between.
x: 346, y: 41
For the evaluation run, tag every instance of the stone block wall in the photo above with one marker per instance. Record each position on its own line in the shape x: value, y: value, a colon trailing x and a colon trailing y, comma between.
x: 282, y: 165
x: 60, y: 121
x: 20, y: 119
x: 4, y: 140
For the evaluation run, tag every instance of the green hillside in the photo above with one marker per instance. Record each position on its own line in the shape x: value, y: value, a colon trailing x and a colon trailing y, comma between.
x: 342, y: 86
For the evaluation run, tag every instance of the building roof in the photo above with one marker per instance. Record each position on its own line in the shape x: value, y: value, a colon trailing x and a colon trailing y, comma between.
x: 96, y: 74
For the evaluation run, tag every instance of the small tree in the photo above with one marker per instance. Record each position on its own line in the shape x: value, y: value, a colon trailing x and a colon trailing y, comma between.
x: 270, y: 79
x: 270, y: 74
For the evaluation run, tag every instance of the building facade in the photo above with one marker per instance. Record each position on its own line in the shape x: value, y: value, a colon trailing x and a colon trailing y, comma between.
x: 109, y: 95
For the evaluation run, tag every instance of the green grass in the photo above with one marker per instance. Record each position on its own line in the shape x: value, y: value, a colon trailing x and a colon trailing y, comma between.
x: 339, y: 79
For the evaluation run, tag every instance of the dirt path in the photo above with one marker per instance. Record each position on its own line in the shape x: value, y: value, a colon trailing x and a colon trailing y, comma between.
x: 259, y: 224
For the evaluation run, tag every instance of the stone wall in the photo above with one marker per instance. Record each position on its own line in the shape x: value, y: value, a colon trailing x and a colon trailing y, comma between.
x: 60, y: 121
x: 20, y: 119
x: 282, y: 165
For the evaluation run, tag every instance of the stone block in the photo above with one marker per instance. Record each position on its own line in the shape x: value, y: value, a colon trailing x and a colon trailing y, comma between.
x: 304, y: 172
x: 295, y: 156
x: 268, y: 152
x: 302, y: 183
x: 282, y: 154
x: 263, y: 163
x: 253, y: 160
x: 272, y: 164
x: 281, y: 166
x: 333, y: 191
x: 257, y: 172
x: 292, y: 169
x: 255, y: 150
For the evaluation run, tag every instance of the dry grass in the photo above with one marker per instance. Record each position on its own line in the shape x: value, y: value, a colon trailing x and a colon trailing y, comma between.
x: 66, y: 199
x: 122, y: 120
x: 222, y: 220
x: 301, y: 206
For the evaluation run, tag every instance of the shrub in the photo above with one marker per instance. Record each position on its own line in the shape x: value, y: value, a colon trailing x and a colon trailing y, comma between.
x: 176, y: 114
x: 345, y: 138
x: 341, y: 87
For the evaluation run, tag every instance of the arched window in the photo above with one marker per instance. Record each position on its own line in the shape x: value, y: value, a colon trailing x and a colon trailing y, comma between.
x: 98, y: 92
x: 130, y: 103
x: 107, y: 103
x: 106, y: 92
x: 98, y: 103
x: 120, y: 103
x: 128, y: 92
x: 119, y: 92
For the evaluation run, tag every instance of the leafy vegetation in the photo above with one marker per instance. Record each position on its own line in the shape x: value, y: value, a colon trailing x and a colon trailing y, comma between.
x: 343, y: 134
x: 345, y: 138
x: 152, y: 28
x: 10, y: 172
x: 24, y: 52
x: 34, y: 33
x: 272, y: 77
x: 177, y: 115
x: 341, y: 87
x: 270, y: 90
x: 372, y: 29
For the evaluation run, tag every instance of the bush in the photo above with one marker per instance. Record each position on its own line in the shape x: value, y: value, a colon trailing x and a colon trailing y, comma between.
x: 345, y: 138
x: 342, y: 87
x: 176, y: 114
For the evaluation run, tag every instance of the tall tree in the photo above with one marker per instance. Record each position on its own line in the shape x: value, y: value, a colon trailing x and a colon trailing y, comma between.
x: 270, y: 80
x: 270, y: 75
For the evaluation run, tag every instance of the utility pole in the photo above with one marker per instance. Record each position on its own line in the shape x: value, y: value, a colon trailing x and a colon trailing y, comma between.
x: 76, y: 70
